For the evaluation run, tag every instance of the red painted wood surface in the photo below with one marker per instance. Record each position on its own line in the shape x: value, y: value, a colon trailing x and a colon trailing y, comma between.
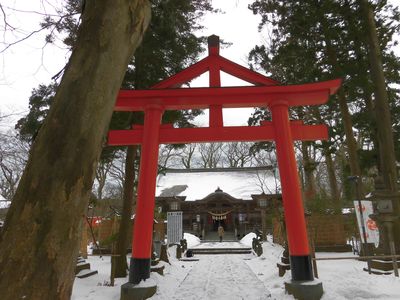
x: 291, y: 192
x: 143, y: 229
x: 267, y: 93
x: 222, y: 134
x: 227, y: 97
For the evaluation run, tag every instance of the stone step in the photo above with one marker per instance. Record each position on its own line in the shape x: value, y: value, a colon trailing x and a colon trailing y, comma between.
x: 188, y: 259
x: 82, y: 266
x: 383, y: 265
x: 225, y: 240
x: 333, y: 248
x: 86, y: 273
x: 221, y: 250
x: 378, y: 272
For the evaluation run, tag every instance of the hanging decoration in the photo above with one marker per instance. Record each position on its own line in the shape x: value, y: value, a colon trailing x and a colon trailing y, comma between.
x: 220, y: 216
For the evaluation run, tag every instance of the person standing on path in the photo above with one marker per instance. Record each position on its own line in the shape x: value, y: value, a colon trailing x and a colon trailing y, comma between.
x: 220, y: 232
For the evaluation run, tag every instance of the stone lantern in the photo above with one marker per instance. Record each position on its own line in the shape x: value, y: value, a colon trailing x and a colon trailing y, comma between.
x: 262, y: 203
x: 387, y: 221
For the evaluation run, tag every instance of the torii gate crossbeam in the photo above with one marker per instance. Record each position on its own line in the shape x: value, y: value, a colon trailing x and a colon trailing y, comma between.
x: 267, y: 93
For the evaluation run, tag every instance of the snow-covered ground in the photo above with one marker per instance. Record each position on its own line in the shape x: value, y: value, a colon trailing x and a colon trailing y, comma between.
x: 246, y: 276
x: 5, y: 204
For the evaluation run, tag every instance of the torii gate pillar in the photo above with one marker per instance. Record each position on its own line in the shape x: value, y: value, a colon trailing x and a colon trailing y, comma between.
x: 300, y: 260
x: 143, y: 230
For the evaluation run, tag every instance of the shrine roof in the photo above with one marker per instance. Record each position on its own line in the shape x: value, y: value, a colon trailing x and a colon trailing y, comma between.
x: 198, y: 185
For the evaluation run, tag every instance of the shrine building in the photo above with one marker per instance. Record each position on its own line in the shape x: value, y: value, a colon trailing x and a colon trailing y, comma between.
x: 240, y: 201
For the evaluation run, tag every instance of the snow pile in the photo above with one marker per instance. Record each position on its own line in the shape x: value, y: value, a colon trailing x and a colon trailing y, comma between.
x: 4, y: 204
x: 341, y: 279
x: 191, y: 239
x: 150, y: 282
x: 248, y: 239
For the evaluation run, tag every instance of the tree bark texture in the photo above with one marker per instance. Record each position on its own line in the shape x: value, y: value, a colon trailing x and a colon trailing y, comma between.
x: 382, y: 110
x: 351, y: 143
x: 309, y: 168
x: 40, y: 240
x: 330, y: 167
x: 125, y: 227
x: 384, y: 125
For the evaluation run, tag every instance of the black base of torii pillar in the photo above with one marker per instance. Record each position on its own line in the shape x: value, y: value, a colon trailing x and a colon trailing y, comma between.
x: 302, y: 285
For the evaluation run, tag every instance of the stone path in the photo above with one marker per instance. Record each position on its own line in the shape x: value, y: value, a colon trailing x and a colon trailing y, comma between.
x: 218, y: 244
x: 217, y: 277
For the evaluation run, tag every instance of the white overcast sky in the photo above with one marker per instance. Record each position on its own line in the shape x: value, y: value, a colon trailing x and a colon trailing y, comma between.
x: 26, y: 65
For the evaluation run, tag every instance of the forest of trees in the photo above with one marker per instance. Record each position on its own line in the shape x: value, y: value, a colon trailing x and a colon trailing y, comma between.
x: 308, y: 41
x: 329, y: 36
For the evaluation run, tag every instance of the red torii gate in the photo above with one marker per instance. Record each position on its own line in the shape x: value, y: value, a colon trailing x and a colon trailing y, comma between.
x: 266, y: 93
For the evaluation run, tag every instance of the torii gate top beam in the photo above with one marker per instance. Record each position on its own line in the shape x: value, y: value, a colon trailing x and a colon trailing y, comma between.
x: 227, y: 97
x: 214, y: 61
x: 266, y: 91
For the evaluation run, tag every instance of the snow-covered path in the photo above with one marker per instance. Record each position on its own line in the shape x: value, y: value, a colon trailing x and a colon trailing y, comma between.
x: 216, y: 244
x: 221, y: 277
x: 230, y: 277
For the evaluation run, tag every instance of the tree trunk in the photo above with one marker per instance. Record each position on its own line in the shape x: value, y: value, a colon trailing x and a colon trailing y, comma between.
x: 384, y: 126
x: 40, y: 240
x: 344, y: 109
x: 330, y: 167
x: 359, y: 50
x: 382, y: 111
x: 350, y: 140
x: 374, y: 132
x: 309, y: 168
x: 125, y: 227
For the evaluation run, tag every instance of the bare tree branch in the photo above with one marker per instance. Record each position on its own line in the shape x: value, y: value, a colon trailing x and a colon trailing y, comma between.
x: 6, y: 24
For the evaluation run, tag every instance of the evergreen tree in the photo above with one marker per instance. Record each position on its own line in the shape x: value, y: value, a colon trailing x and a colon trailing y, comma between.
x: 318, y: 40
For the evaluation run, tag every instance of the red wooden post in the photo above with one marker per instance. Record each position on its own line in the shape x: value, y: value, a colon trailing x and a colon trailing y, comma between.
x: 215, y: 113
x: 300, y: 259
x: 143, y: 229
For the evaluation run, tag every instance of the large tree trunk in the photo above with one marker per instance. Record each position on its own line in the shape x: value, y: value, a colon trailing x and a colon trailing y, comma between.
x: 330, y: 165
x: 351, y: 143
x: 40, y: 239
x: 359, y: 50
x: 382, y: 111
x: 384, y: 126
x: 125, y: 227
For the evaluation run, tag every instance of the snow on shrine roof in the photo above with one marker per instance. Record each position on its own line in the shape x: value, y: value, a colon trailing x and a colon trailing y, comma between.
x: 197, y: 185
